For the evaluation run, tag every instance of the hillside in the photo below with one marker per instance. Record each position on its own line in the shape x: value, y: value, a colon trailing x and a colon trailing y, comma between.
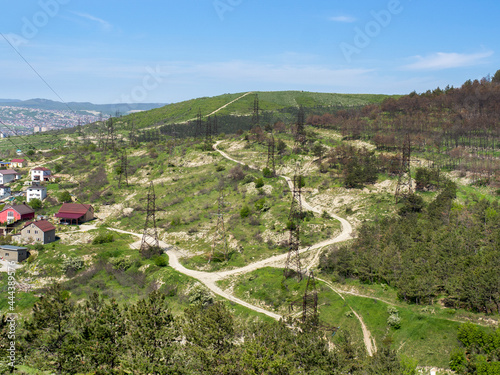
x: 446, y: 226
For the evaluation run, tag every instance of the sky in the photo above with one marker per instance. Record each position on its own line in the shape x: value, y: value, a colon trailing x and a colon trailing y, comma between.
x: 109, y: 51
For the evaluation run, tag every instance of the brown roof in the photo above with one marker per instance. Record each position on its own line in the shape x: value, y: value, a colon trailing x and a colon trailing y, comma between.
x: 18, y: 160
x: 43, y: 225
x: 40, y: 169
x: 8, y: 171
x: 76, y: 208
x: 22, y: 209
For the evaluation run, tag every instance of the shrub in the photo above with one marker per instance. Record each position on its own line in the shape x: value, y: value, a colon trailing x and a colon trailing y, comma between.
x: 35, y: 203
x: 248, y: 178
x: 245, y: 211
x: 259, y: 183
x: 267, y: 173
x: 160, y: 261
x: 65, y: 197
x: 236, y: 173
x: 261, y: 205
x: 220, y: 168
x: 391, y: 310
x: 72, y: 264
x: 103, y: 238
x: 394, y: 321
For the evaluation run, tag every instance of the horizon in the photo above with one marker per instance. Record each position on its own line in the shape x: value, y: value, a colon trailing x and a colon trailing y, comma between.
x: 168, y: 52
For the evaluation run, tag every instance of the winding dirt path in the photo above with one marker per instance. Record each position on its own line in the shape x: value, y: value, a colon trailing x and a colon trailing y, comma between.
x: 210, y: 278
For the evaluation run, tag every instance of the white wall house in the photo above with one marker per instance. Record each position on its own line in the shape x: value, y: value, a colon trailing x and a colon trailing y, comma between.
x: 4, y: 191
x: 8, y: 175
x: 40, y: 174
x: 36, y: 192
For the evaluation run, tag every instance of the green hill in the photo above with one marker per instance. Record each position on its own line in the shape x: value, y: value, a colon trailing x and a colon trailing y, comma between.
x: 243, y: 105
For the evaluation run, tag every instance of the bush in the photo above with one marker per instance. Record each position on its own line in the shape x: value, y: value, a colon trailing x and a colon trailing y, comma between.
x: 35, y: 203
x: 72, y: 264
x: 267, y: 173
x: 103, y: 238
x: 65, y: 197
x: 245, y: 211
x: 160, y: 261
x: 394, y: 321
x: 259, y: 183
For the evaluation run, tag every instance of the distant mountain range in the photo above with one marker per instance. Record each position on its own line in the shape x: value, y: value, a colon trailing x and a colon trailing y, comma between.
x: 79, y: 107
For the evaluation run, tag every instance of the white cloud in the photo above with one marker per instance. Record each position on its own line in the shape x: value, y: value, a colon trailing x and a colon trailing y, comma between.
x: 104, y: 24
x: 344, y: 19
x: 442, y: 60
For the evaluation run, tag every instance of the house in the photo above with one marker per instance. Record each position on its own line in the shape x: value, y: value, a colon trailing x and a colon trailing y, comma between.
x: 8, y: 175
x: 40, y: 231
x: 36, y: 191
x: 75, y: 213
x: 4, y: 191
x: 13, y: 253
x: 12, y: 213
x: 18, y: 163
x: 40, y: 174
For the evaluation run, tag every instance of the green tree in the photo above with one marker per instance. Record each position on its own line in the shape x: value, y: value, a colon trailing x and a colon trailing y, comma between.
x: 35, y: 203
x: 65, y: 197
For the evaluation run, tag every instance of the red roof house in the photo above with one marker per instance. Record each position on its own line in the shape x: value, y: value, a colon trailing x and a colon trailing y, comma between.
x: 20, y: 163
x: 75, y: 213
x: 40, y: 231
x: 16, y: 212
x: 40, y: 174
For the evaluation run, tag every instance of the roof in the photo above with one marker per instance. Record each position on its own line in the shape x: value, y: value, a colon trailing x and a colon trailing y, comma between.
x: 74, y: 208
x: 43, y: 225
x: 13, y: 248
x: 41, y: 169
x: 4, y: 187
x: 18, y: 160
x: 68, y: 215
x: 8, y: 171
x: 36, y: 187
x: 22, y: 209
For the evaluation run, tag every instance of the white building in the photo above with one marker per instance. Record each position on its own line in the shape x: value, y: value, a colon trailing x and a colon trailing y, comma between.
x: 8, y: 175
x: 40, y: 174
x: 4, y: 191
x: 36, y: 192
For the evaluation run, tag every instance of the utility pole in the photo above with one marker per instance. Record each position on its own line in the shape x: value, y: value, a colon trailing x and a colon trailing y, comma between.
x: 219, y: 246
x: 110, y: 140
x: 294, y: 221
x: 215, y: 127
x: 150, y: 243
x: 308, y: 302
x: 270, y: 155
x: 255, y: 116
x: 199, y: 126
x: 300, y: 133
x: 404, y: 187
x: 124, y: 168
x: 208, y: 134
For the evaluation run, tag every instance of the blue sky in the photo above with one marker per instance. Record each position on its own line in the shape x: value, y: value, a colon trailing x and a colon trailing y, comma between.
x: 110, y: 51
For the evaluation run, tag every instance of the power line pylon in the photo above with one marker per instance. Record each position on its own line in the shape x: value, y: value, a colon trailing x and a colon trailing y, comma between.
x: 208, y: 134
x: 294, y: 221
x: 300, y: 133
x: 110, y: 140
x: 124, y: 169
x: 270, y: 155
x: 256, y: 109
x: 404, y: 187
x: 219, y: 246
x: 308, y: 302
x: 150, y: 234
x: 215, y: 127
x: 199, y: 125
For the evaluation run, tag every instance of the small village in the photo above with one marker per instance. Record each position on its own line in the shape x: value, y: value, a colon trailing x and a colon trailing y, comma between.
x: 20, y: 225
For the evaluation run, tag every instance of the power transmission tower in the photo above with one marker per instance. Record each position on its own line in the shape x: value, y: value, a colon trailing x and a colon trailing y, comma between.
x: 308, y: 302
x: 208, y: 134
x: 215, y: 127
x: 270, y: 155
x: 294, y: 220
x: 404, y: 187
x: 124, y: 168
x: 110, y: 140
x: 219, y: 246
x: 255, y: 116
x: 199, y: 125
x: 150, y: 235
x: 300, y: 133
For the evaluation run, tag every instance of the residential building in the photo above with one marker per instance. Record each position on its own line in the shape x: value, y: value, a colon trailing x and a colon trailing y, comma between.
x: 13, y: 253
x: 4, y: 191
x: 19, y: 163
x: 75, y: 213
x: 36, y: 191
x: 40, y: 174
x: 40, y: 231
x: 8, y: 175
x: 13, y: 213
